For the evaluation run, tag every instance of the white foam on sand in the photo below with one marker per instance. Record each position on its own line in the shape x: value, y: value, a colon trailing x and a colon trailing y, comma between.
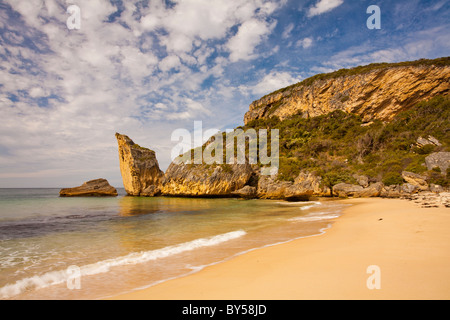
x: 58, y: 277
x: 315, y: 217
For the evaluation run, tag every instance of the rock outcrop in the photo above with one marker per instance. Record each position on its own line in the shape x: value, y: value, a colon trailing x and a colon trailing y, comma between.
x: 438, y: 159
x: 379, y: 93
x: 305, y: 186
x: 363, y: 181
x: 246, y: 192
x: 421, y: 142
x: 93, y: 188
x: 201, y: 180
x: 373, y: 190
x: 431, y: 200
x: 138, y: 166
x: 151, y: 191
x: 347, y: 190
x: 416, y: 180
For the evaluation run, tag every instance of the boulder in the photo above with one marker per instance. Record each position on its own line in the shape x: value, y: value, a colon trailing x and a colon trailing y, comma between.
x: 374, y: 190
x: 393, y: 191
x: 438, y: 159
x: 138, y: 166
x: 363, y: 181
x: 409, y: 188
x: 304, y: 186
x: 311, y: 182
x: 347, y: 190
x: 426, y: 141
x: 246, y: 192
x: 298, y: 192
x: 269, y: 187
x: 416, y: 180
x: 436, y: 188
x: 93, y: 188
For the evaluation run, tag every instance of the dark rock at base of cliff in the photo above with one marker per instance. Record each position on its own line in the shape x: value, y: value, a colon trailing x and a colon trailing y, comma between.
x: 304, y: 187
x: 151, y: 191
x: 246, y: 192
x: 93, y: 188
x: 347, y: 190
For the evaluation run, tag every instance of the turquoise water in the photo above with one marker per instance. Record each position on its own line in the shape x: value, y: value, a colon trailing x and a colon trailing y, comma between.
x: 117, y: 245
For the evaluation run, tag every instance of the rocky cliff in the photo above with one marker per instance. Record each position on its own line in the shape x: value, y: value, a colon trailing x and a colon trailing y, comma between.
x: 377, y: 91
x: 138, y: 166
x: 332, y: 143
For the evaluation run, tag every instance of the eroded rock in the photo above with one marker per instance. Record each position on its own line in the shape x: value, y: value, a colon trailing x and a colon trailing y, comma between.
x: 93, y: 188
x: 415, y: 179
x: 138, y: 166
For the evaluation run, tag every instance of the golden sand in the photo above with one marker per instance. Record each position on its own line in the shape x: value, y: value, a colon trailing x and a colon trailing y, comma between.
x: 390, y: 243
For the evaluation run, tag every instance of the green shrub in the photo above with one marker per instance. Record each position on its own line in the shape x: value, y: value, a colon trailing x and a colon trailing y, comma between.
x: 427, y: 149
x: 436, y: 169
x: 380, y: 150
x: 417, y: 164
x: 438, y: 178
x: 392, y: 178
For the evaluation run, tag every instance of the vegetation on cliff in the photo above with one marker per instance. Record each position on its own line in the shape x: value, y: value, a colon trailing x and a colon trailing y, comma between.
x: 338, y: 145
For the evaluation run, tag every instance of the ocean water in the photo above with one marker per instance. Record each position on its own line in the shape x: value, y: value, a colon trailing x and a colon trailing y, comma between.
x: 94, y: 248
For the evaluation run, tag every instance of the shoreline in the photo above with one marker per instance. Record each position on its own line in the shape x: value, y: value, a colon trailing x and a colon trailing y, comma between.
x: 410, y: 246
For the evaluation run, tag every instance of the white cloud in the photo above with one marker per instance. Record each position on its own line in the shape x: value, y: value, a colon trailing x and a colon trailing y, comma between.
x: 141, y: 75
x: 274, y: 81
x: 324, y: 6
x: 170, y: 62
x: 250, y: 34
x: 305, y: 43
x: 287, y: 31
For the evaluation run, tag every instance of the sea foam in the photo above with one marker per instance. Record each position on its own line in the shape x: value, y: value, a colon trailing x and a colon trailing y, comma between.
x: 318, y: 217
x: 58, y: 277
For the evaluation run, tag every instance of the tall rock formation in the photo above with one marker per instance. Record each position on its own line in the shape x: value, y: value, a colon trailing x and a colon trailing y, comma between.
x: 378, y: 91
x: 138, y: 166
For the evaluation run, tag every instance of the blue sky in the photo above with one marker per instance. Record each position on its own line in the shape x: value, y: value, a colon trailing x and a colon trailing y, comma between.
x: 146, y: 68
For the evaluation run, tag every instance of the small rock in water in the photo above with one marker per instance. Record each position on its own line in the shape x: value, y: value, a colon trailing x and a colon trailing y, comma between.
x: 93, y: 188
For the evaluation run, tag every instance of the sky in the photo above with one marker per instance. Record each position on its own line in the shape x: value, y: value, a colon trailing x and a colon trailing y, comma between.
x: 147, y: 68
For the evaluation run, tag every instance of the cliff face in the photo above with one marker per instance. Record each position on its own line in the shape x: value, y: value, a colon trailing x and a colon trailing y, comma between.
x: 377, y: 94
x: 139, y: 166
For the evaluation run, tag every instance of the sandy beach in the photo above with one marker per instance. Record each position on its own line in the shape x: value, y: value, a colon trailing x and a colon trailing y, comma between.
x: 408, y: 245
